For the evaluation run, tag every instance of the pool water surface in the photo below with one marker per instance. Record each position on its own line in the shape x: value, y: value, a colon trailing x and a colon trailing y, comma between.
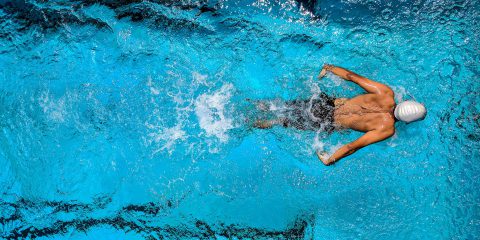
x: 130, y: 120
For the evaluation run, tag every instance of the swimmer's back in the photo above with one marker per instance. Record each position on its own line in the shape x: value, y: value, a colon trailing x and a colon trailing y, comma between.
x: 365, y: 112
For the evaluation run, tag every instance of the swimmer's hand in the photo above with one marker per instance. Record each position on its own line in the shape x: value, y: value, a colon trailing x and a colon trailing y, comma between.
x: 325, y: 68
x: 323, y: 156
x: 322, y: 74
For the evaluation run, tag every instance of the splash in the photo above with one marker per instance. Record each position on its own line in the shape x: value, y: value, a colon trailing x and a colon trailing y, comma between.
x: 211, y: 112
x: 400, y: 93
x: 325, y: 146
x: 52, y: 108
x: 168, y: 136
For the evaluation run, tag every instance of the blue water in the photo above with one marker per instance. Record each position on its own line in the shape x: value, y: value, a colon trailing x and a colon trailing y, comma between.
x: 128, y: 120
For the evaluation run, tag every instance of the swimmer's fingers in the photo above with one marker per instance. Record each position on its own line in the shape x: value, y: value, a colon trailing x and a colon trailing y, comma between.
x: 322, y: 154
x: 324, y: 157
x: 322, y: 73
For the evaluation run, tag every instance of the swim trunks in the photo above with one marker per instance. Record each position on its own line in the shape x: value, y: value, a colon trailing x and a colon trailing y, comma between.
x: 312, y: 114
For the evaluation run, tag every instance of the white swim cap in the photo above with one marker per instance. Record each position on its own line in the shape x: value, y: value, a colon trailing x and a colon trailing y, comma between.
x: 410, y: 111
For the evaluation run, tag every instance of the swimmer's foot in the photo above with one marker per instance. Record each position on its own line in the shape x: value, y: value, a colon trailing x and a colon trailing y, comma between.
x: 263, y: 124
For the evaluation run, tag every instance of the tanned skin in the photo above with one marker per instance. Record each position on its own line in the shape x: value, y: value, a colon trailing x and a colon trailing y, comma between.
x: 371, y: 113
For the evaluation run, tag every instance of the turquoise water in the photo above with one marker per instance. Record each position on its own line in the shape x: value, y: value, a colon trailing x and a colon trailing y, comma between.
x: 128, y: 120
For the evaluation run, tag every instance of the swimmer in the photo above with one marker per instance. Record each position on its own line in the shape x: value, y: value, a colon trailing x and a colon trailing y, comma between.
x: 374, y: 113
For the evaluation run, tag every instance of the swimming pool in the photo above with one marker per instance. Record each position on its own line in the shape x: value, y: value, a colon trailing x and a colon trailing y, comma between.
x: 128, y: 120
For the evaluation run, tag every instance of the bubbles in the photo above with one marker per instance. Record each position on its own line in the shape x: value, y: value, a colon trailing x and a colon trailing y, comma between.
x: 449, y: 68
x: 149, y: 106
x: 153, y: 89
x: 386, y: 14
x: 459, y: 38
x: 199, y: 78
x: 54, y: 109
x: 213, y: 113
x: 168, y: 137
x: 400, y: 93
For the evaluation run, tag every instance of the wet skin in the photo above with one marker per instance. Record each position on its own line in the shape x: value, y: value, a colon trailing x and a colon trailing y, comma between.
x: 365, y: 112
x: 371, y: 113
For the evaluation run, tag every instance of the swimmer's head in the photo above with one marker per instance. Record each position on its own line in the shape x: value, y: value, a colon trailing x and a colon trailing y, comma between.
x: 410, y: 111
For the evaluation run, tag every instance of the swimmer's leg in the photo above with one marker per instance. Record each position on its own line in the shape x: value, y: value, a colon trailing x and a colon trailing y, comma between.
x: 264, y: 124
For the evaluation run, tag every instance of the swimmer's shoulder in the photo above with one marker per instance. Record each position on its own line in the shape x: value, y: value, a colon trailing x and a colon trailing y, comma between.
x: 387, y: 126
x: 384, y: 100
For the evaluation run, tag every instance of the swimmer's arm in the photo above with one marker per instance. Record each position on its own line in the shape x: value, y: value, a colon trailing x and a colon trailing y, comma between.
x: 367, y: 84
x: 365, y: 140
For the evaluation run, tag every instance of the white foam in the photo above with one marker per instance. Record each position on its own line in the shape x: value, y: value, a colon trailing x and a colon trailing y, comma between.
x: 167, y: 136
x: 392, y: 142
x: 275, y: 105
x: 327, y: 147
x: 336, y: 80
x: 199, y: 78
x: 150, y: 84
x: 317, y: 144
x: 400, y: 93
x: 211, y: 112
x: 53, y: 108
x: 334, y: 148
x: 313, y: 85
